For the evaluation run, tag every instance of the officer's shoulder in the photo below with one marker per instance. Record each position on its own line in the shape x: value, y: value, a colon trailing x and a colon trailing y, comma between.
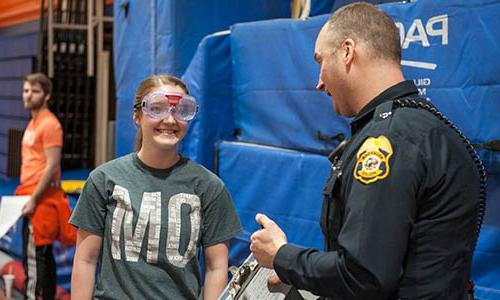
x: 414, y: 120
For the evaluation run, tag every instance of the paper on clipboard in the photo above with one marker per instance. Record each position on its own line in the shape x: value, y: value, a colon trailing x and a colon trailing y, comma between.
x: 10, y: 211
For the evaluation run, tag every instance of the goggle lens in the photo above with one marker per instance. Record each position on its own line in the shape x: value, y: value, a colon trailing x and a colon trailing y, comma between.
x: 159, y: 105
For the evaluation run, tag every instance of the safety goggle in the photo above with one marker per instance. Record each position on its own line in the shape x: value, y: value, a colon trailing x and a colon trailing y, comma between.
x: 159, y: 105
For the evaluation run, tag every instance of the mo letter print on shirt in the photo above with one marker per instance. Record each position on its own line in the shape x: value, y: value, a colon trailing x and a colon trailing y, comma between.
x: 150, y: 214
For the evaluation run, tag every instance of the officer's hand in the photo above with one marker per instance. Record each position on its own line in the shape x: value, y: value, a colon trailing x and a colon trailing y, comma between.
x: 267, y: 241
x: 273, y: 280
x: 28, y: 208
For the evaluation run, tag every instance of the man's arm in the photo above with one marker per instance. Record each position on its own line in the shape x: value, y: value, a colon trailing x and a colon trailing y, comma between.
x: 88, y: 247
x: 53, y: 162
x: 307, y: 268
x: 216, y: 267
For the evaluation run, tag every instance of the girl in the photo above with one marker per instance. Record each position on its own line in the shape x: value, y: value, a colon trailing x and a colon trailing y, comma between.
x: 144, y: 216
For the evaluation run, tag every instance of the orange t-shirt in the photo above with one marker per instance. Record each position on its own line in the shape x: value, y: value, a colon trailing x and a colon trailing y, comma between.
x: 43, y: 131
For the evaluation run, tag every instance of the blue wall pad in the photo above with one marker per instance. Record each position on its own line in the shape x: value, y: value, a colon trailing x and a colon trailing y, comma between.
x: 162, y: 36
x: 274, y: 79
x: 208, y: 78
x: 284, y: 184
x: 486, y: 261
x: 18, y: 46
x: 450, y: 49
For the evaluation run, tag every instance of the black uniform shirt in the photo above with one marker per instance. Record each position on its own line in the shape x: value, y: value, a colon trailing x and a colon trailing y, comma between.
x: 399, y: 212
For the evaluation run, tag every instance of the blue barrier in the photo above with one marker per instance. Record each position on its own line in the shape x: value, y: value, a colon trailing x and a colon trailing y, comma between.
x: 284, y: 184
x: 208, y: 78
x: 162, y: 36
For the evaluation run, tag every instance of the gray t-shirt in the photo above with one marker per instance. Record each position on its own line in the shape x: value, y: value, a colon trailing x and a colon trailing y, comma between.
x: 153, y: 222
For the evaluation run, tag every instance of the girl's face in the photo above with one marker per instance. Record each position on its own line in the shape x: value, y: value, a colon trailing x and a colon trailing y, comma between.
x: 162, y: 134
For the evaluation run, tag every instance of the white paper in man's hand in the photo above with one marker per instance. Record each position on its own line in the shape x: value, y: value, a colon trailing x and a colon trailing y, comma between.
x: 10, y: 211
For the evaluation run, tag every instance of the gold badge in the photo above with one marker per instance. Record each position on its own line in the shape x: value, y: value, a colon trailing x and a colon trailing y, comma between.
x: 372, y: 160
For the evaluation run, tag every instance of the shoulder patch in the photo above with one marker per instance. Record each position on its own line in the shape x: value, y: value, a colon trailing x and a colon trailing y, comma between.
x: 372, y: 160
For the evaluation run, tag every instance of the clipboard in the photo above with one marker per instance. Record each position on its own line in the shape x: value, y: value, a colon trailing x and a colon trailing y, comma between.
x: 250, y: 283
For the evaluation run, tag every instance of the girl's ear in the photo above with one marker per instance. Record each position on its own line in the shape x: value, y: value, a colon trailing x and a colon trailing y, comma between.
x: 137, y: 120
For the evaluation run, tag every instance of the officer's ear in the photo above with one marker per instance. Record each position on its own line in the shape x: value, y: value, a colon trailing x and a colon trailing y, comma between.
x: 348, y: 51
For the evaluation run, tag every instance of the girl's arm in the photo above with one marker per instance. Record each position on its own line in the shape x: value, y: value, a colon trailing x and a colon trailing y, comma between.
x: 216, y: 268
x: 88, y: 247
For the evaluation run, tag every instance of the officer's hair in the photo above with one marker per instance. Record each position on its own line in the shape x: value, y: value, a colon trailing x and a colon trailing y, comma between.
x: 42, y: 80
x: 147, y: 86
x: 364, y: 22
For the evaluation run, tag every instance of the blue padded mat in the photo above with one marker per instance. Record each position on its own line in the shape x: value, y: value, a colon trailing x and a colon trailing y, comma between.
x: 274, y: 79
x: 284, y: 184
x: 208, y: 78
x: 161, y: 37
x: 447, y: 51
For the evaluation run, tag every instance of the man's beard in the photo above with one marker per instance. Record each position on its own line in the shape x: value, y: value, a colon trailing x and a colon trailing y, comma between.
x: 33, y: 105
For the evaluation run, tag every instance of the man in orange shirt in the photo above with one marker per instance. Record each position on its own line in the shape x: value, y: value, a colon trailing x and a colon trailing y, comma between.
x: 40, y: 178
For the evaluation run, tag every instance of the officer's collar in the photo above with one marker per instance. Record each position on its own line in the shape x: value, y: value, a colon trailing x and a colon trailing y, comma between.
x: 398, y: 91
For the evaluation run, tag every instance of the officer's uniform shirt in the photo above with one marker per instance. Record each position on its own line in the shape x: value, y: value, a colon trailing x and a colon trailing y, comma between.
x: 399, y: 213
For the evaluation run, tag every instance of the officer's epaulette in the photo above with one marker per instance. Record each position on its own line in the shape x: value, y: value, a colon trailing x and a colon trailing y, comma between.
x: 383, y: 111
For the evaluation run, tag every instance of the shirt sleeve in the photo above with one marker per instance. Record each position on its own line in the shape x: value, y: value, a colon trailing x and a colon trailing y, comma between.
x: 52, y: 135
x: 373, y: 239
x: 220, y: 220
x: 90, y: 210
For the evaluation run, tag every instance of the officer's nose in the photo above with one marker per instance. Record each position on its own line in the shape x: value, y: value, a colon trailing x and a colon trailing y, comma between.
x: 320, y: 86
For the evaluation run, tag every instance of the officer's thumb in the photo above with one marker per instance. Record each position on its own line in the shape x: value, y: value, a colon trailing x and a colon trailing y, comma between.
x: 273, y: 280
x: 263, y: 220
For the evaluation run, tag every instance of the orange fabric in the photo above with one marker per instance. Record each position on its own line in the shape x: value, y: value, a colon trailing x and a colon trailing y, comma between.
x: 18, y: 11
x: 42, y: 132
x: 51, y: 216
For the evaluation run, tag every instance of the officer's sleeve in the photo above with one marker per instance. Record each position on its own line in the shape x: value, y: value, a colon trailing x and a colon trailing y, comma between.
x: 373, y: 239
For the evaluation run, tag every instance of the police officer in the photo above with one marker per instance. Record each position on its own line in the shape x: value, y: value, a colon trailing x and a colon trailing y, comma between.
x: 401, y: 206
